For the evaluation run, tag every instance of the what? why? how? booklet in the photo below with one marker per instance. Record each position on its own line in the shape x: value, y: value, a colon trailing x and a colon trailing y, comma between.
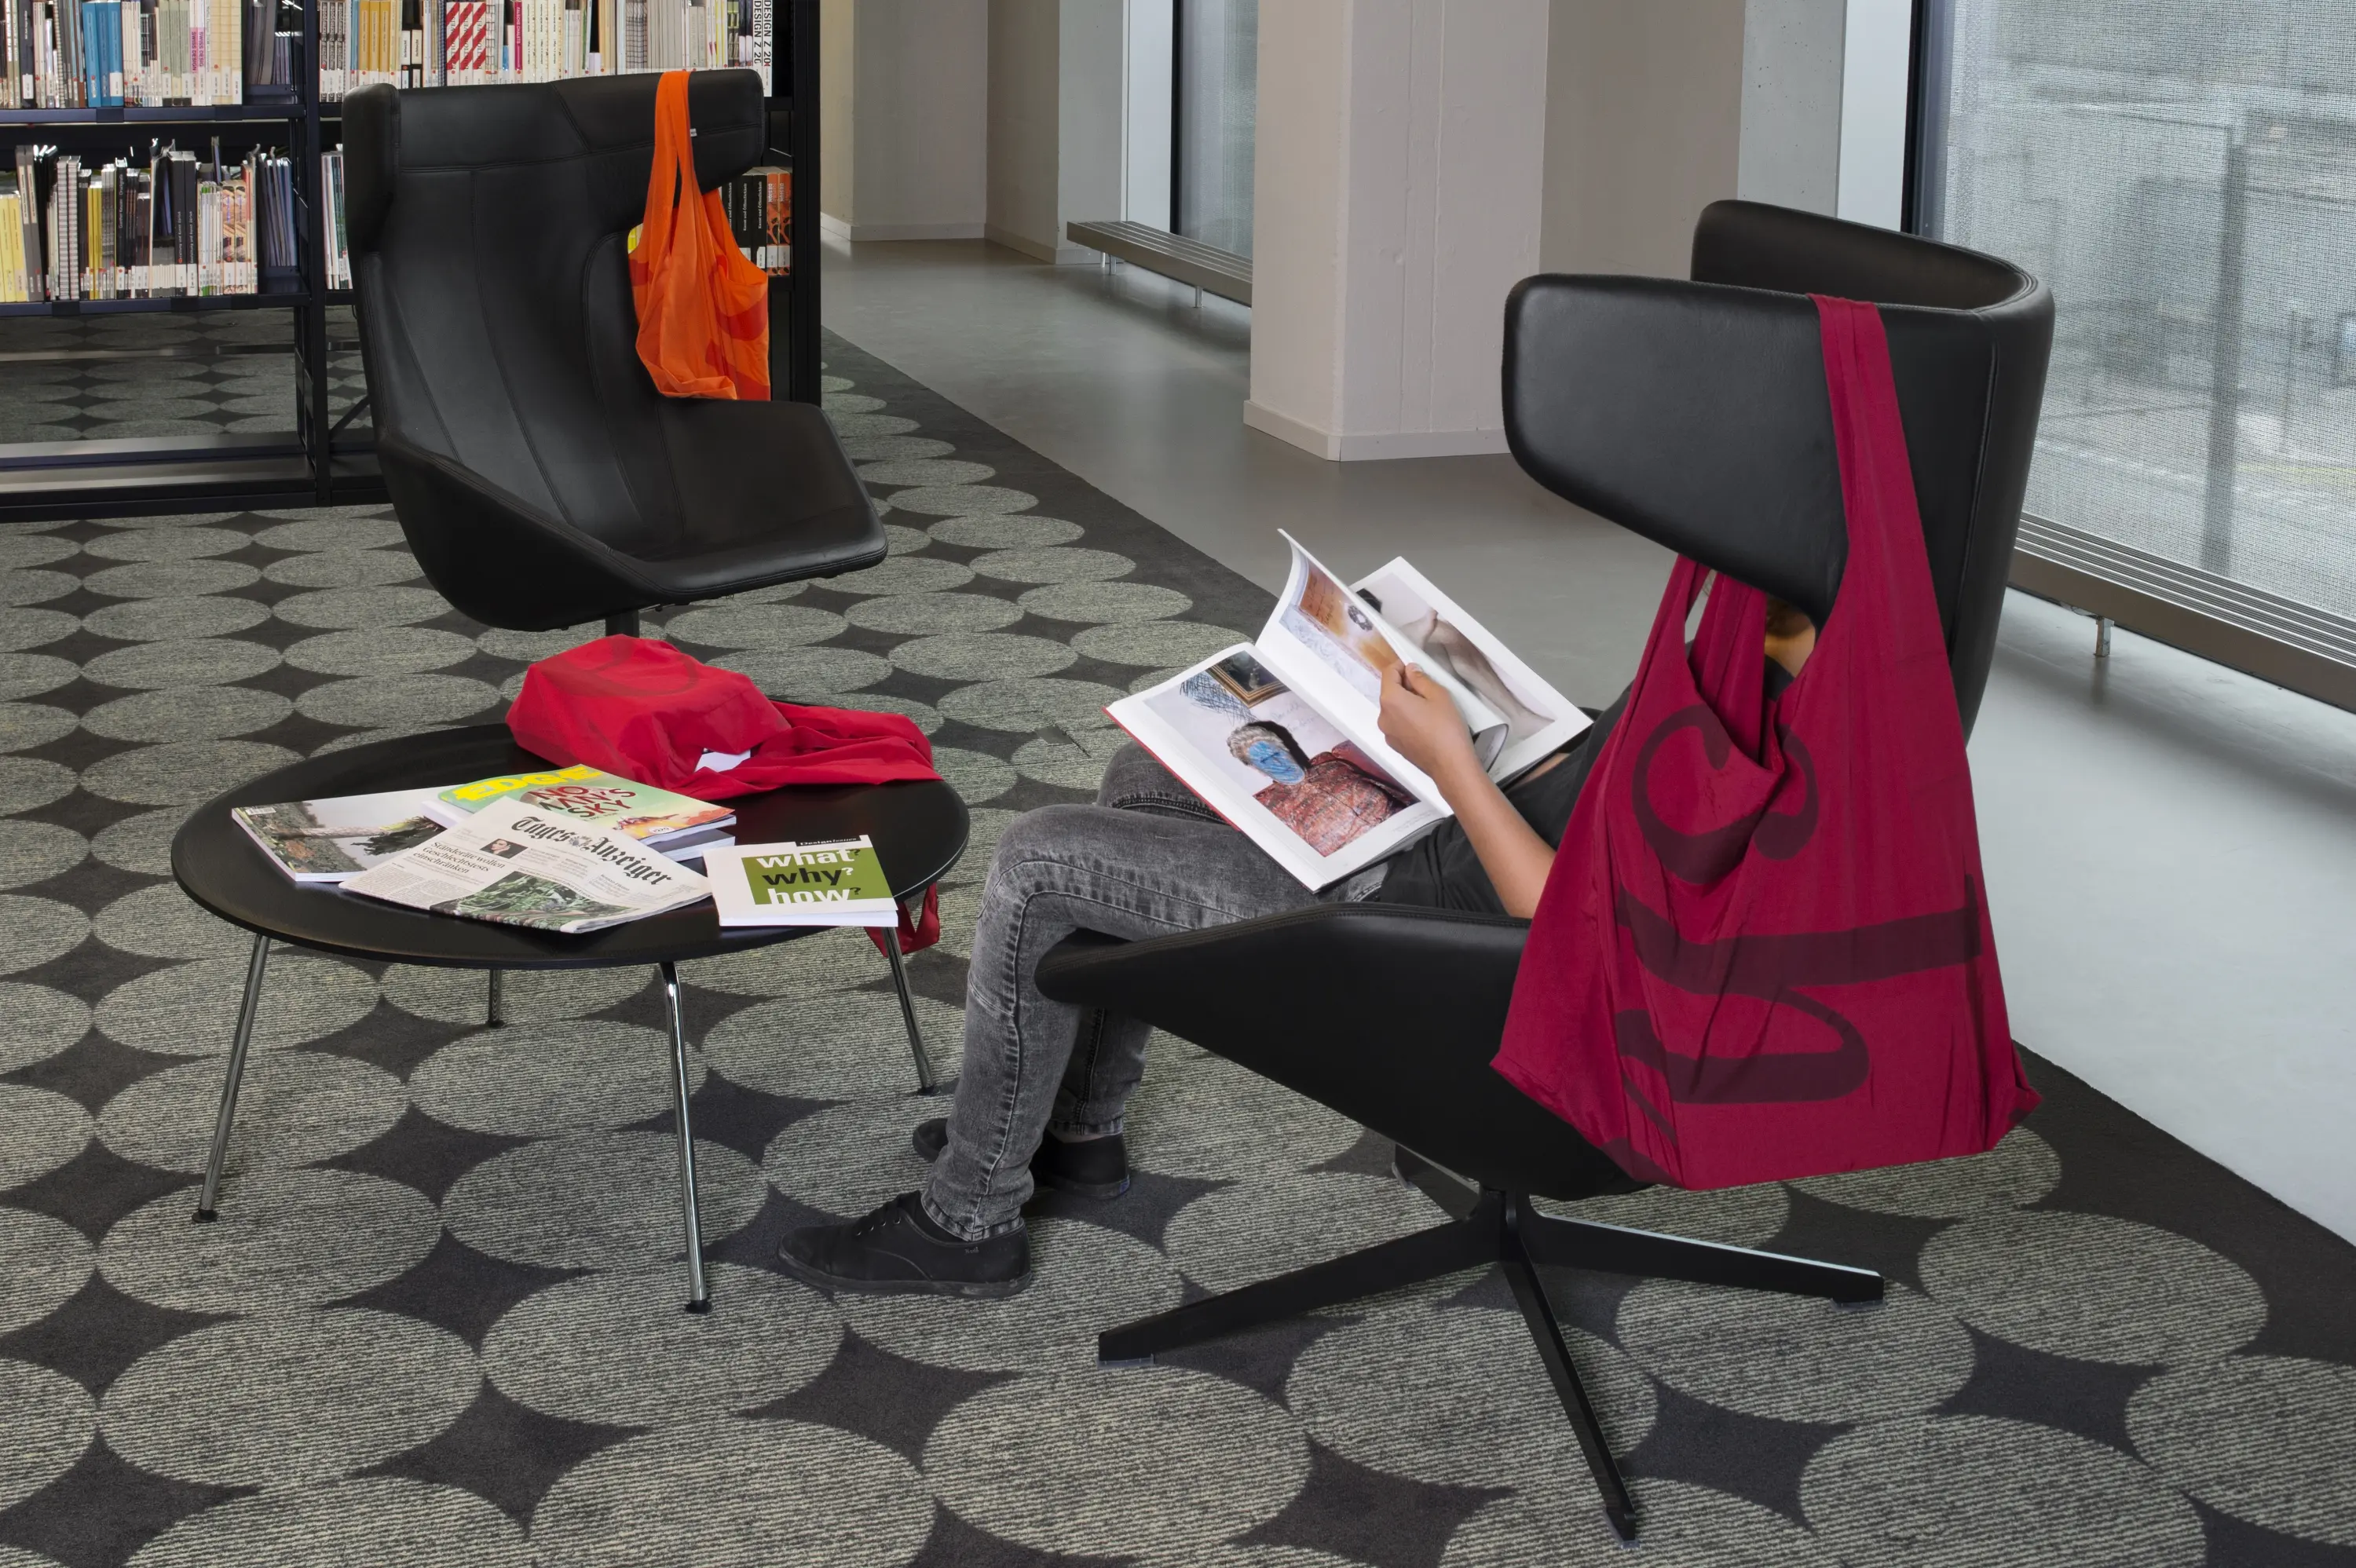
x: 836, y: 882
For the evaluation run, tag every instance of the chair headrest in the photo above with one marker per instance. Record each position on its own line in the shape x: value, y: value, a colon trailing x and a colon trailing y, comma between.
x: 1695, y: 413
x: 608, y: 120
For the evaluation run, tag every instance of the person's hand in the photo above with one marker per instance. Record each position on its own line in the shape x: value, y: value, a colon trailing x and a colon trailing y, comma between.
x: 1421, y: 723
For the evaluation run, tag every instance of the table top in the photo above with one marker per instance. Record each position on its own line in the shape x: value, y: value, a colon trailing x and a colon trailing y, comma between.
x: 919, y: 828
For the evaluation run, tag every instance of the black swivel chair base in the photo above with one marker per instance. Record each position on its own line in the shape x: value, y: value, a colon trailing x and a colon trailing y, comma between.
x: 1494, y: 1227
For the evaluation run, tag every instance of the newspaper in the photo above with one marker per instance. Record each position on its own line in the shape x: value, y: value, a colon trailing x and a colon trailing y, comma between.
x: 1282, y: 736
x: 518, y: 864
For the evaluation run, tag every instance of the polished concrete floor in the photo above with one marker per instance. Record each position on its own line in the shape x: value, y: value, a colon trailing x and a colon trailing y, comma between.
x: 2170, y: 845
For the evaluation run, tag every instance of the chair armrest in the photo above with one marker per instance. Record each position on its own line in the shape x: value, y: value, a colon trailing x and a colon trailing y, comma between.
x: 1389, y: 1014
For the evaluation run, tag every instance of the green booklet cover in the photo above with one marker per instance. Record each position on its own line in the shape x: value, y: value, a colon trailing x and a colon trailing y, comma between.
x: 837, y: 882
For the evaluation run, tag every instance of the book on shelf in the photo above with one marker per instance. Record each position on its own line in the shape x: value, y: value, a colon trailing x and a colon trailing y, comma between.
x: 515, y: 864
x: 103, y: 54
x: 339, y: 269
x: 676, y: 825
x: 760, y: 205
x: 171, y: 225
x: 337, y: 838
x: 469, y: 43
x: 1282, y: 735
x: 835, y: 882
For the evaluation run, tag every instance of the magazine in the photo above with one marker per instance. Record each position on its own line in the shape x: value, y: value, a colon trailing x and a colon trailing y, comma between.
x: 1282, y: 736
x: 836, y: 882
x: 332, y: 839
x: 515, y: 864
x: 680, y: 826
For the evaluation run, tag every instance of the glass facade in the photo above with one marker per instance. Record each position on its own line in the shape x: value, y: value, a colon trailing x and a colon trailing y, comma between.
x: 1217, y: 96
x: 2182, y: 173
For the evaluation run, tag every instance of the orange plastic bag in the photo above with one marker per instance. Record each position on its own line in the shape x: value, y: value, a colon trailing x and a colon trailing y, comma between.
x: 703, y: 308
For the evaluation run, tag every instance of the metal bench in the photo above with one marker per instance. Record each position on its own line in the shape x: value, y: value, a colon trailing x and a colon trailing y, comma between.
x: 1205, y: 267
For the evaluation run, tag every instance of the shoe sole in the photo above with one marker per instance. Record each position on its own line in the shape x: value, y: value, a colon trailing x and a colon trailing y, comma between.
x: 986, y: 1290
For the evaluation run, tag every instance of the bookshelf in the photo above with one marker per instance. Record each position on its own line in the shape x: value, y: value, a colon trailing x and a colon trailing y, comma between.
x: 323, y: 457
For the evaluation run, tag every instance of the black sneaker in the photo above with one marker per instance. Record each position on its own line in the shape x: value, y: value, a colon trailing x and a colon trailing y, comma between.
x: 1094, y: 1168
x: 899, y: 1250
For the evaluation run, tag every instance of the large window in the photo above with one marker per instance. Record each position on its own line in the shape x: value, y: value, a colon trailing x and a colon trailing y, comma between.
x: 1217, y: 99
x: 2183, y: 173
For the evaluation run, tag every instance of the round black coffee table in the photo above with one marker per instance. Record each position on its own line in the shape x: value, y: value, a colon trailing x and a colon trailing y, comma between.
x: 919, y: 829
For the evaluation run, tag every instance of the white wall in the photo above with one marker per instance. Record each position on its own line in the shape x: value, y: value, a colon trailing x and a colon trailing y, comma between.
x: 1824, y: 105
x: 1876, y: 55
x: 1146, y: 118
x: 1057, y: 86
x: 1299, y: 166
x: 1658, y: 108
x: 1092, y: 86
x: 1791, y: 64
x: 1025, y: 40
x: 1397, y: 182
x: 902, y: 117
x: 1644, y: 129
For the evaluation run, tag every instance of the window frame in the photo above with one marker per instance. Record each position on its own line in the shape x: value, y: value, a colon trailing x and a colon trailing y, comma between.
x: 2303, y: 649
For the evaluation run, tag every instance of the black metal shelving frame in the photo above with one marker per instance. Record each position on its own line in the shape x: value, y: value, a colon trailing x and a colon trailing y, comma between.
x: 321, y: 462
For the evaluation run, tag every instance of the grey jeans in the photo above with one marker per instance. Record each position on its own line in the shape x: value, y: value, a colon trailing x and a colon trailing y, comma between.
x: 1148, y: 859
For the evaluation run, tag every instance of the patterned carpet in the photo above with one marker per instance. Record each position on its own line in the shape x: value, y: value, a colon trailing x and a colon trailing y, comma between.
x: 231, y: 370
x: 438, y: 1322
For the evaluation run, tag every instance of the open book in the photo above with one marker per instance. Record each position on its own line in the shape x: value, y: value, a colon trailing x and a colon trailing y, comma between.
x: 1283, y: 738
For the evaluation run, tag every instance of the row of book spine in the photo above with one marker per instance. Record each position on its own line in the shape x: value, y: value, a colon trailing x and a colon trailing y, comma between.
x: 760, y: 207
x: 460, y: 43
x: 99, y: 54
x: 122, y: 229
x: 175, y: 226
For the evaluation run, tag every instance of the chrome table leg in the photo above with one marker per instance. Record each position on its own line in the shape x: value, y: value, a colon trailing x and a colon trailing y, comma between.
x: 235, y: 1075
x: 924, y: 1081
x: 495, y: 1010
x: 698, y: 1293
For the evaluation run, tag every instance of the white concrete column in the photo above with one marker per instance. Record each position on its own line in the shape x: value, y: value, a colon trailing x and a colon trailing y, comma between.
x: 1146, y: 118
x: 1877, y: 63
x: 1792, y: 65
x: 1644, y: 129
x: 902, y: 118
x: 1398, y: 183
x: 1057, y: 81
x: 1824, y: 105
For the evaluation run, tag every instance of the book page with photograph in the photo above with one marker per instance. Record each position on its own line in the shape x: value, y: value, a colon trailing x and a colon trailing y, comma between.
x: 1538, y: 719
x: 1263, y: 757
x: 337, y: 838
x: 1339, y: 648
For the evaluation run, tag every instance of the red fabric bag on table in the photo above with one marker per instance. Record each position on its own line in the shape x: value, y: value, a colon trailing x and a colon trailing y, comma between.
x: 644, y: 710
x: 1764, y: 951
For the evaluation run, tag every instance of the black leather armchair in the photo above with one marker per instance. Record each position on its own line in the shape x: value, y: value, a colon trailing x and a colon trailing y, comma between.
x: 1695, y: 413
x: 540, y: 478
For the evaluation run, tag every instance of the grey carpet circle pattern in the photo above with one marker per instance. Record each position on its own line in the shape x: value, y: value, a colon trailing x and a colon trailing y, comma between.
x: 1107, y: 1462
x: 283, y: 1398
x: 436, y: 1323
x: 35, y: 851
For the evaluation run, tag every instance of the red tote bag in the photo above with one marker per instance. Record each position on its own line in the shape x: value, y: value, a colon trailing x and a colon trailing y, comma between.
x: 1764, y: 951
x: 643, y: 710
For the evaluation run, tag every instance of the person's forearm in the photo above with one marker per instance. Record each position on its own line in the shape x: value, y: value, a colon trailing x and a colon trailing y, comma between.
x: 1511, y: 851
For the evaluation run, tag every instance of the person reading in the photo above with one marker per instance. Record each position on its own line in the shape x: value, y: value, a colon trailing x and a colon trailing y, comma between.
x: 1040, y: 1096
